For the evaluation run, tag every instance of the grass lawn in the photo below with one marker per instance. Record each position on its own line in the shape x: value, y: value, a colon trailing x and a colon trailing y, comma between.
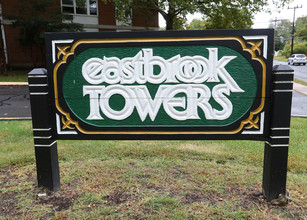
x: 148, y: 179
x: 15, y: 76
x: 281, y: 58
x: 300, y: 82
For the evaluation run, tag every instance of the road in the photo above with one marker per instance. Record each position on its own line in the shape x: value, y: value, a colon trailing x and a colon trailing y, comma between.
x: 300, y: 72
x: 299, y: 101
x: 14, y: 103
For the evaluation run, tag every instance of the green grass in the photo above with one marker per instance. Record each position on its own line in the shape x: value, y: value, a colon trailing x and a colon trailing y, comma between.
x: 300, y: 82
x: 15, y: 76
x: 148, y: 179
x: 281, y: 58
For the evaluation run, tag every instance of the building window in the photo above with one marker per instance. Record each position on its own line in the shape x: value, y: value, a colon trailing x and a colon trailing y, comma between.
x: 124, y: 17
x: 128, y: 14
x: 80, y: 7
x: 93, y: 7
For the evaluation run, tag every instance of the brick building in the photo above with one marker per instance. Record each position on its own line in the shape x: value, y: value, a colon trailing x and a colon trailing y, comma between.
x: 94, y: 15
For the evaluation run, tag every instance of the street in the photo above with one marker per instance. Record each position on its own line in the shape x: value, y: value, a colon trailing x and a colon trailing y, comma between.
x: 14, y: 103
x: 300, y: 72
x: 299, y: 101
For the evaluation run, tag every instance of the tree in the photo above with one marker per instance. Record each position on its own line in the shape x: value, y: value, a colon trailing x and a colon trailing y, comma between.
x: 35, y: 18
x: 300, y: 48
x: 197, y: 24
x: 301, y: 35
x: 282, y: 33
x: 301, y: 28
x: 229, y: 17
x: 283, y: 36
x: 240, y: 12
x: 297, y: 48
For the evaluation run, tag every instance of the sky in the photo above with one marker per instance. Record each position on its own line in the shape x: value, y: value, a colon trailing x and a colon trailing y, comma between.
x: 262, y: 19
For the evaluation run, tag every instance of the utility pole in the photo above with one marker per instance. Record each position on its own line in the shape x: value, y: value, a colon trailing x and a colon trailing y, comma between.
x: 275, y: 21
x: 292, y: 39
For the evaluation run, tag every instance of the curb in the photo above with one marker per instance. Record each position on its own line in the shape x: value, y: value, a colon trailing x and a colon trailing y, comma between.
x: 299, y: 116
x: 16, y: 119
x: 300, y: 88
x: 14, y: 84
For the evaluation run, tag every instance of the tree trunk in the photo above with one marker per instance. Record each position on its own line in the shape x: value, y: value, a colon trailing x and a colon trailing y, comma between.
x: 169, y: 19
x: 169, y: 25
x: 3, y: 69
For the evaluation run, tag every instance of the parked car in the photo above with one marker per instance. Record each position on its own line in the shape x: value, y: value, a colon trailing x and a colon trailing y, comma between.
x: 297, y: 59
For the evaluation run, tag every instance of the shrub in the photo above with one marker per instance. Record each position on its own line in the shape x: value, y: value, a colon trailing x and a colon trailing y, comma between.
x: 297, y: 48
x: 300, y: 48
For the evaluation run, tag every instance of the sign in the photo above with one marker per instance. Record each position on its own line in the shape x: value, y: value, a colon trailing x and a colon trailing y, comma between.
x: 161, y: 85
x: 204, y: 84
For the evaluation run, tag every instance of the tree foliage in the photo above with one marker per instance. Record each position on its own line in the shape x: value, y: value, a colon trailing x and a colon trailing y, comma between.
x: 301, y: 28
x: 282, y: 34
x: 35, y: 18
x: 197, y: 24
x: 297, y: 48
x: 225, y: 17
x: 218, y: 13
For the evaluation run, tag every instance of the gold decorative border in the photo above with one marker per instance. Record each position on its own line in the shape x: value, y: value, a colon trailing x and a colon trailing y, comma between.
x: 249, y: 121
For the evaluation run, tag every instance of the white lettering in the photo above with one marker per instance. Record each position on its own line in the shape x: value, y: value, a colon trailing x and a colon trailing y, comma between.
x: 93, y: 92
x: 179, y: 108
x: 180, y: 101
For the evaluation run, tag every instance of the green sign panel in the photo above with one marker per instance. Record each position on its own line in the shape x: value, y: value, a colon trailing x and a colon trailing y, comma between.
x: 159, y: 86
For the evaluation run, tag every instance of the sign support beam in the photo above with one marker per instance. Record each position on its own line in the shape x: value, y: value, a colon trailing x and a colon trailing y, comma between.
x: 276, y: 149
x: 44, y: 141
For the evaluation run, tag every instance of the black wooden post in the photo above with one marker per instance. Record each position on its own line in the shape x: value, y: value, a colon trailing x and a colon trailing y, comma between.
x: 276, y: 149
x: 45, y: 144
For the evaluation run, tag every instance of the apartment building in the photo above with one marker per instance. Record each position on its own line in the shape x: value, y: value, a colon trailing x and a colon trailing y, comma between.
x: 94, y: 15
